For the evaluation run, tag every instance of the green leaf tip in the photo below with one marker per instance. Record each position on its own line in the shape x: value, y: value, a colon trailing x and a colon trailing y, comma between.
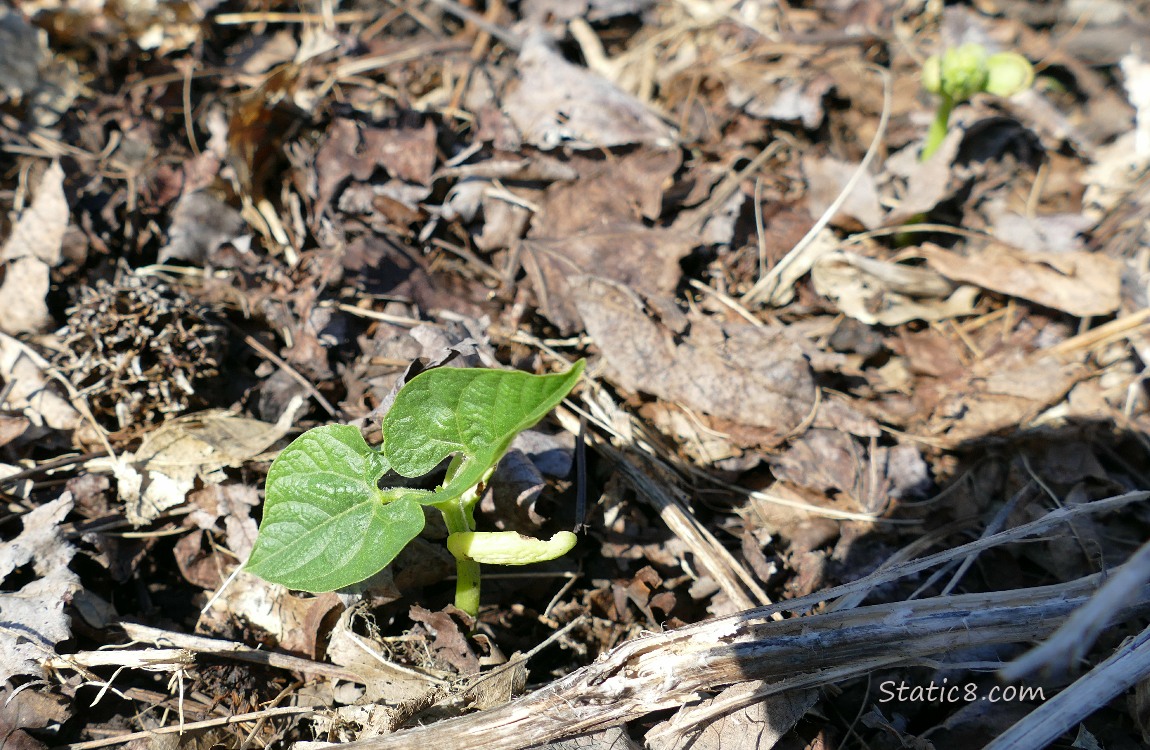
x: 475, y: 412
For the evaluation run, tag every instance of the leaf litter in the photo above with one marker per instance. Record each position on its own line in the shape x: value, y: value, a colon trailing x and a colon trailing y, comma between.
x: 814, y: 361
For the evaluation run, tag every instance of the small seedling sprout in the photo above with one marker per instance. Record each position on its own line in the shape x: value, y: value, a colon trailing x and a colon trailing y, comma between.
x: 960, y: 73
x: 328, y: 524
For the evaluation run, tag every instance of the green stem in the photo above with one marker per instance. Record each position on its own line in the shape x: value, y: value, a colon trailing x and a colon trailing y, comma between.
x: 466, y: 570
x: 467, y: 586
x: 937, y: 132
x: 458, y: 515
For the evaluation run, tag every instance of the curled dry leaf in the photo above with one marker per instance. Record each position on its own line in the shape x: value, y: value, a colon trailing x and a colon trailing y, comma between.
x: 512, y: 493
x: 1079, y: 283
x: 744, y: 374
x: 368, y: 658
x: 32, y: 249
x: 1002, y: 393
x: 556, y: 102
x: 299, y: 625
x: 448, y: 644
x: 827, y: 177
x: 36, y: 610
x: 642, y: 258
x: 160, y: 474
x: 31, y: 392
x: 234, y: 504
x: 877, y: 291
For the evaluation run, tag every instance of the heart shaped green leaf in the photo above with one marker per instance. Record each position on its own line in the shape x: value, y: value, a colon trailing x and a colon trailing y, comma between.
x: 326, y: 523
x: 475, y: 412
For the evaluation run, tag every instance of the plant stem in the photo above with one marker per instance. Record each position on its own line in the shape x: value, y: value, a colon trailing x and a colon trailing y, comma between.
x: 457, y: 516
x: 467, y: 586
x: 937, y: 132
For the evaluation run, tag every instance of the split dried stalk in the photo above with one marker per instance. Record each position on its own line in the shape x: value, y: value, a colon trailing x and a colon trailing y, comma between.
x: 668, y: 670
x: 1125, y: 668
x: 1067, y: 646
x: 664, y: 671
x: 237, y: 651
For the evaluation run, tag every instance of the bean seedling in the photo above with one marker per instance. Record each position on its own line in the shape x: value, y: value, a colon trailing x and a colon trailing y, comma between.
x: 327, y: 522
x: 960, y: 73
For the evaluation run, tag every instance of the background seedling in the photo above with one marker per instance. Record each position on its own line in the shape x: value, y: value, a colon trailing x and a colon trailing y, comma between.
x: 960, y: 73
x: 328, y: 524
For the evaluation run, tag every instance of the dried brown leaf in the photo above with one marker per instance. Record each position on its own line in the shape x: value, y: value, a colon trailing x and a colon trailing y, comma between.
x: 33, y: 616
x: 404, y: 149
x: 31, y: 250
x: 890, y: 294
x: 555, y: 102
x: 745, y: 374
x: 642, y: 258
x: 695, y: 436
x: 826, y: 178
x: 197, y: 561
x: 823, y: 460
x: 626, y: 188
x: 498, y: 687
x: 1002, y: 393
x: 1079, y: 283
x: 368, y: 658
x: 838, y: 413
x: 233, y: 503
x: 297, y: 624
x: 29, y: 710
x: 160, y: 474
x: 449, y: 643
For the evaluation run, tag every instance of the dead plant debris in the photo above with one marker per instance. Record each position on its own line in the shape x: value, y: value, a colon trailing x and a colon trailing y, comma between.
x: 856, y: 425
